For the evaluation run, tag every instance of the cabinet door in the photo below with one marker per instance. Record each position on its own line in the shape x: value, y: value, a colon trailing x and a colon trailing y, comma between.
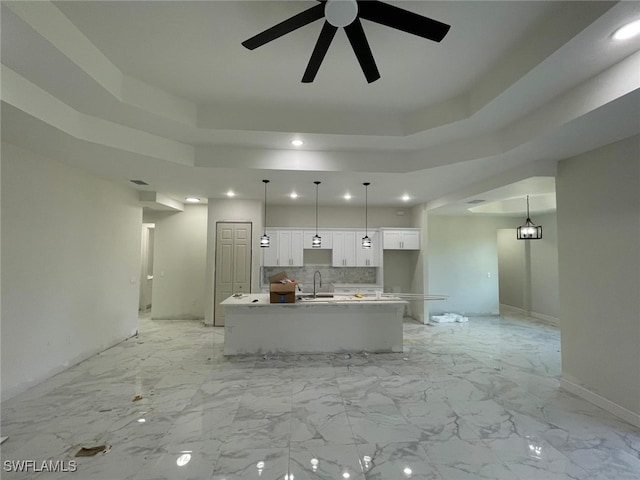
x: 410, y: 240
x: 343, y: 253
x: 368, y: 257
x: 337, y: 252
x: 391, y: 239
x: 270, y: 253
x: 284, y: 247
x: 349, y: 251
x: 296, y: 248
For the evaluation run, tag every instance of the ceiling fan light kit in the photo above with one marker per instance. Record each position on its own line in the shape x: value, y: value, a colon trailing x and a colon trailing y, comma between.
x: 347, y: 14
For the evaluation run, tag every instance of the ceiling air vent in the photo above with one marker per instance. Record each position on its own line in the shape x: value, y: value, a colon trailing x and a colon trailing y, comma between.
x: 139, y: 182
x: 473, y: 202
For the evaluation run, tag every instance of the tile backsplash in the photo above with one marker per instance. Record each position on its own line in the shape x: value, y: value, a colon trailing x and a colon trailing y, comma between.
x: 304, y: 275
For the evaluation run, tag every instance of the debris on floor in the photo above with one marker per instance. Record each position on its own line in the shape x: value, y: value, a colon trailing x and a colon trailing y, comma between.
x: 137, y: 398
x: 3, y: 439
x: 449, y: 318
x: 91, y: 451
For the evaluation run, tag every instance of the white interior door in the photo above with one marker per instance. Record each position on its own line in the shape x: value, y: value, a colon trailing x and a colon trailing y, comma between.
x: 233, y: 264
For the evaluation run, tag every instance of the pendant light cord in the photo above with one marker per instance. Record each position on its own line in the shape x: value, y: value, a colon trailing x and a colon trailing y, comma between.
x: 265, y: 206
x: 528, y: 216
x: 317, y: 183
x: 366, y: 209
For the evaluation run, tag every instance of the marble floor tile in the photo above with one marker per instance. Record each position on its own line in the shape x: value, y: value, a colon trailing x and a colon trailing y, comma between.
x: 479, y: 400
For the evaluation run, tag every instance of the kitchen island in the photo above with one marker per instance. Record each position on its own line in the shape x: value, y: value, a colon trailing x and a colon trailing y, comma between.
x: 342, y: 323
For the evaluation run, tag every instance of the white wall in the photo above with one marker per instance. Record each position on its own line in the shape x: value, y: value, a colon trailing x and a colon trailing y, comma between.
x: 146, y: 265
x: 463, y: 263
x: 544, y: 300
x: 179, y: 265
x: 598, y: 196
x: 420, y: 281
x: 511, y: 268
x: 336, y: 217
x: 231, y: 210
x: 528, y: 270
x: 71, y: 260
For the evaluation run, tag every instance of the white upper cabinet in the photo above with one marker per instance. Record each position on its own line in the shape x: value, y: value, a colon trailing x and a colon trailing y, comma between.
x: 285, y: 249
x: 344, y: 249
x: 368, y: 257
x: 325, y: 235
x: 401, y: 239
x: 290, y: 251
x: 270, y: 253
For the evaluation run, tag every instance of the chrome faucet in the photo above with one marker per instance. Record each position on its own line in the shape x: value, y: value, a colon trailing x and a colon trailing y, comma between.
x: 317, y: 272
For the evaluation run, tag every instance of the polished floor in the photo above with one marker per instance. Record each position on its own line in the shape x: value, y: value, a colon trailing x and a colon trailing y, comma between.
x: 478, y: 400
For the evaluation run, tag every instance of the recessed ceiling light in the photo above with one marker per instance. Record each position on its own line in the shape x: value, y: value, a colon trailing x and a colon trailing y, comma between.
x: 192, y: 200
x: 231, y: 193
x: 406, y: 198
x: 297, y: 143
x: 627, y: 31
x: 347, y: 196
x: 293, y: 195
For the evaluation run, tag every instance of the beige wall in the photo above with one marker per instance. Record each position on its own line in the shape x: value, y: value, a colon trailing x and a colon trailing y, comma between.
x: 70, y: 266
x: 179, y: 264
x: 528, y: 270
x: 511, y: 268
x: 336, y: 217
x: 598, y: 197
x: 544, y: 298
x: 463, y: 263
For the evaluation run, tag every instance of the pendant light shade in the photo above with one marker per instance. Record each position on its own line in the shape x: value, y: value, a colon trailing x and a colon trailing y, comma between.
x: 529, y: 231
x: 264, y: 239
x: 316, y: 241
x: 366, y: 241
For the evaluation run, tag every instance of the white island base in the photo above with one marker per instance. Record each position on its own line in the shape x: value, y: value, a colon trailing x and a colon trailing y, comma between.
x: 343, y: 324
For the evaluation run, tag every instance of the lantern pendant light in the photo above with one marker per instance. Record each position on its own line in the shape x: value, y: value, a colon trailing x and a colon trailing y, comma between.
x: 316, y: 242
x: 264, y: 239
x: 366, y: 241
x: 529, y: 231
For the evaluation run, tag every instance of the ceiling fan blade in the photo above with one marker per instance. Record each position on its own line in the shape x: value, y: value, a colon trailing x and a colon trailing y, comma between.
x: 360, y: 46
x: 289, y: 25
x: 404, y: 20
x: 319, y: 51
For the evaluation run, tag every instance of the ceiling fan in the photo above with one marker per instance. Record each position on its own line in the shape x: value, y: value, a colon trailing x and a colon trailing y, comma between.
x: 347, y: 14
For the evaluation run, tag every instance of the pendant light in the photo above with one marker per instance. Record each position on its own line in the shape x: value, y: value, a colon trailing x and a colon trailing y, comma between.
x: 366, y: 241
x: 529, y: 231
x: 316, y: 242
x: 264, y: 239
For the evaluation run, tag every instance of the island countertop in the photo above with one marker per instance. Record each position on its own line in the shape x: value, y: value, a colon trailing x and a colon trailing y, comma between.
x: 343, y: 323
x: 262, y: 299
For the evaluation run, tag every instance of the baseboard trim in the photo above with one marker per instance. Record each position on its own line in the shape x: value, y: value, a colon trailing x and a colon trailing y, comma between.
x: 608, y: 405
x: 509, y: 308
x: 9, y: 393
x: 538, y: 316
x: 546, y: 318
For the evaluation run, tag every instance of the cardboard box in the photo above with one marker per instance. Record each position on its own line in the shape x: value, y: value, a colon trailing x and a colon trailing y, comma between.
x: 281, y: 292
